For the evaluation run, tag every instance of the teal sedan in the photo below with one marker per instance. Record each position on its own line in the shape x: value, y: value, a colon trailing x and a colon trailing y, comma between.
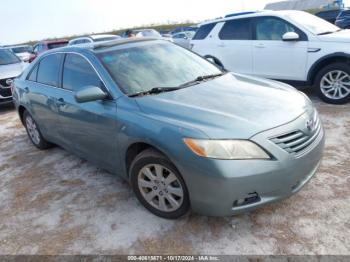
x: 185, y: 133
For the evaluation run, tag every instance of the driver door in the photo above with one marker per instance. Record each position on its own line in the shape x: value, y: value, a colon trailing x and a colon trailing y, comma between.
x: 275, y: 58
x: 89, y: 129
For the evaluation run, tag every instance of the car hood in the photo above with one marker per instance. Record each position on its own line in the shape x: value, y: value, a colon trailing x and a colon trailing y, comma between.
x: 11, y: 70
x: 342, y: 36
x: 231, y: 106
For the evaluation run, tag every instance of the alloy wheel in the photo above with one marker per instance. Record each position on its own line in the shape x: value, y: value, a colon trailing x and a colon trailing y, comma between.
x: 160, y: 187
x: 32, y: 130
x: 335, y: 84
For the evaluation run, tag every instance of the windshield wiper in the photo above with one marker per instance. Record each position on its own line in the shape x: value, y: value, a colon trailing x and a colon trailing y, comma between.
x: 202, y: 78
x: 155, y: 90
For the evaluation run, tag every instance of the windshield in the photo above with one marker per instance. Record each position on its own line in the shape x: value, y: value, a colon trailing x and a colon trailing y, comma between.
x: 154, y: 64
x: 21, y: 49
x: 313, y: 23
x: 7, y: 57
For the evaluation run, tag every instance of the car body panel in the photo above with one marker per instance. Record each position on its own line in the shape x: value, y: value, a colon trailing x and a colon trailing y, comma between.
x: 227, y: 107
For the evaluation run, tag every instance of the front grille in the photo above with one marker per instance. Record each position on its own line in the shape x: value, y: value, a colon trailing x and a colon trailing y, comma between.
x: 298, y: 141
x: 5, y: 89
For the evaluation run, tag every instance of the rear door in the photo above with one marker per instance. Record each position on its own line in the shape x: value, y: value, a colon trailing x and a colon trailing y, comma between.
x: 41, y: 89
x: 90, y: 129
x: 275, y: 58
x: 234, y: 45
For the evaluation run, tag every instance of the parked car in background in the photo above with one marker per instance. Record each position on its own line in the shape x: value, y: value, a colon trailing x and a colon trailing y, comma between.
x: 152, y: 33
x: 183, y: 29
x: 343, y: 19
x: 92, y: 38
x: 181, y: 131
x: 24, y: 52
x: 183, y: 38
x: 329, y: 15
x: 43, y: 46
x: 291, y: 46
x: 10, y: 67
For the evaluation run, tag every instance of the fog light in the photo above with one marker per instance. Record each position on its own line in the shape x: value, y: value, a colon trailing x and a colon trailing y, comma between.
x: 250, y: 199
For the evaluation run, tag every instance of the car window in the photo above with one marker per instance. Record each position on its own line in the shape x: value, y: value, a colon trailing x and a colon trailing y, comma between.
x: 36, y: 48
x: 56, y: 45
x: 345, y: 13
x: 237, y: 29
x: 48, y: 70
x: 32, y: 76
x: 270, y: 28
x: 203, y: 31
x: 8, y: 57
x: 78, y: 73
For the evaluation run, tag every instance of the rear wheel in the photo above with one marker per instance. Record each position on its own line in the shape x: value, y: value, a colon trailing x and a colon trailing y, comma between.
x: 34, y: 132
x: 158, y: 185
x: 333, y: 83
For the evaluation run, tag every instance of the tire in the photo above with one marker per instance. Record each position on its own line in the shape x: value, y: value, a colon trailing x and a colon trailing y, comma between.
x: 34, y: 133
x: 161, y: 194
x: 329, y: 83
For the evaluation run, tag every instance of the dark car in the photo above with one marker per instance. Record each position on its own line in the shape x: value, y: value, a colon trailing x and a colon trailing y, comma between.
x: 43, y: 46
x: 329, y: 15
x: 343, y: 19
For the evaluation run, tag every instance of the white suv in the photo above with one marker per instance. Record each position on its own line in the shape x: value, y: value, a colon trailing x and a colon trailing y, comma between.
x: 291, y: 46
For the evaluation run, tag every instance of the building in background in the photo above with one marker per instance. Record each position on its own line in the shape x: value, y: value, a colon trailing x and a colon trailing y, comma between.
x: 305, y: 4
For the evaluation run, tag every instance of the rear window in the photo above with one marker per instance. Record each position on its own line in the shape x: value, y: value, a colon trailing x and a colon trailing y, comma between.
x: 203, y: 31
x: 48, y: 70
x: 56, y: 45
x: 238, y: 29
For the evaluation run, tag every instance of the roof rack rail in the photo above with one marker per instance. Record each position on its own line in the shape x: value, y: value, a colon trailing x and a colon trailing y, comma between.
x: 241, y: 13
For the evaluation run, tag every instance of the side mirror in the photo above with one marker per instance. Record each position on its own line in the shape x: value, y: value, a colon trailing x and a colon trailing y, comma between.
x: 90, y: 93
x: 290, y: 36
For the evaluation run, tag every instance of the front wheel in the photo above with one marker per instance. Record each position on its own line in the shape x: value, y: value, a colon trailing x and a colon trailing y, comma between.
x: 333, y: 83
x: 158, y: 185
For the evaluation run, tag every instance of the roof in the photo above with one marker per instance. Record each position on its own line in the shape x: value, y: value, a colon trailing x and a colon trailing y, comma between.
x: 100, y: 45
x: 54, y: 41
x: 251, y: 14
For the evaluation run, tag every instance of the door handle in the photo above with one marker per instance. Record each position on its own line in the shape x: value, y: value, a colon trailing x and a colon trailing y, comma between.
x: 221, y: 45
x: 60, y: 102
x: 260, y: 45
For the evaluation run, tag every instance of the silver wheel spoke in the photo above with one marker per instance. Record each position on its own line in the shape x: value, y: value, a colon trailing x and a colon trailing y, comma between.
x: 171, y: 178
x: 335, y: 84
x: 159, y: 171
x: 160, y: 187
x: 162, y: 204
x: 175, y: 191
x: 146, y: 184
x: 148, y: 173
x: 172, y: 202
x: 150, y: 196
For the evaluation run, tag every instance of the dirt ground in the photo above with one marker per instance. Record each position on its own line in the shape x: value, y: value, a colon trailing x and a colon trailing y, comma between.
x: 52, y: 202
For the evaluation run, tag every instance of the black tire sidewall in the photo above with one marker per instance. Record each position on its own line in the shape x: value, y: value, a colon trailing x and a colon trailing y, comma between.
x: 335, y: 66
x: 153, y: 157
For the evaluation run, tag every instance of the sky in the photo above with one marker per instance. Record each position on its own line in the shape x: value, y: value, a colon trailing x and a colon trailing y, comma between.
x: 25, y: 20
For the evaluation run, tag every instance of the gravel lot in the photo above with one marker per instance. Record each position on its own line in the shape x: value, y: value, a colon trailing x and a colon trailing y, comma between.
x: 52, y: 202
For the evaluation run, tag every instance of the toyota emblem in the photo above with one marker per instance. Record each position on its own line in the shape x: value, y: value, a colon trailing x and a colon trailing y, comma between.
x: 9, y: 82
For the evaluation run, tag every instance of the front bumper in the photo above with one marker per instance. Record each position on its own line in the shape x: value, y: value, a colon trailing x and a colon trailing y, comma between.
x: 217, y: 187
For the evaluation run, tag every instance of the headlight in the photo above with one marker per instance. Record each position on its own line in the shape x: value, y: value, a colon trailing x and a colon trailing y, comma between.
x: 226, y: 149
